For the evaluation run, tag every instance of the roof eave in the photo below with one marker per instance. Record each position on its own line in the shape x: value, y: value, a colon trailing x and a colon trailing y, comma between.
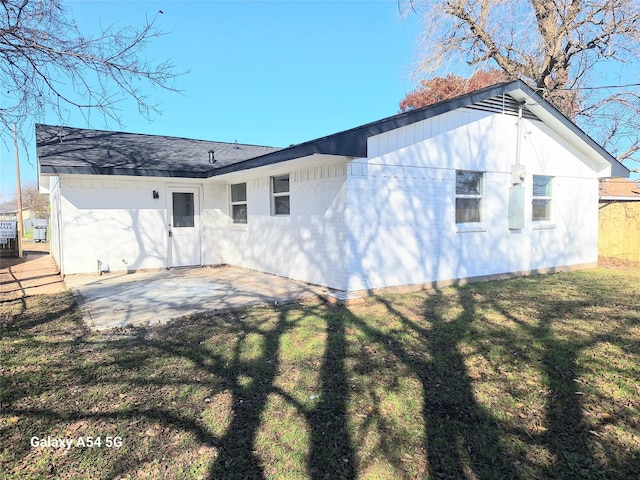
x: 353, y: 142
x: 551, y: 116
x: 613, y: 198
x: 57, y: 170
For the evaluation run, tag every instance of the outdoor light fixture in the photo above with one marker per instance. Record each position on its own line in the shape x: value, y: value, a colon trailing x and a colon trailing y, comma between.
x: 212, y: 158
x: 156, y: 194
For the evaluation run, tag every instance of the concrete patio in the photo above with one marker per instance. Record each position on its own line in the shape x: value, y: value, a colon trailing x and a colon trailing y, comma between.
x: 152, y: 297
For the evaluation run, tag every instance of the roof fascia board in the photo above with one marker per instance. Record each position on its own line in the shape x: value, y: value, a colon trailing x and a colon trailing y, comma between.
x: 49, y: 170
x: 295, y: 164
x: 307, y: 149
x: 610, y: 198
x: 353, y: 142
x: 556, y: 120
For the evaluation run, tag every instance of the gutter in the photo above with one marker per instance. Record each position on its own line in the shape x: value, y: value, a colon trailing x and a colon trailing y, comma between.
x: 619, y: 199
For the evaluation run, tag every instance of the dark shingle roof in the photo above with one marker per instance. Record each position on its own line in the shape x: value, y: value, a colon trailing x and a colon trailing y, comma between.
x: 93, y: 151
x: 78, y: 150
x: 502, y: 97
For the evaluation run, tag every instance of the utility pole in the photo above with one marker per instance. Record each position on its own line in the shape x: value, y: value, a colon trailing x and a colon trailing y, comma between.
x: 19, y: 193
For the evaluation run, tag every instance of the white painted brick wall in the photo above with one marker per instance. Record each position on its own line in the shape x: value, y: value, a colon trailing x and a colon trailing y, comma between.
x: 401, y: 203
x: 307, y: 245
x: 54, y: 222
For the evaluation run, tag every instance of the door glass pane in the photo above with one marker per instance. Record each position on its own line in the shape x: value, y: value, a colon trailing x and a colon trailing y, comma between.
x: 183, y: 210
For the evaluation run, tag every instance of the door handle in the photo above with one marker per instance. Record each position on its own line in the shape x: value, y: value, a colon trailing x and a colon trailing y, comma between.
x: 170, y: 233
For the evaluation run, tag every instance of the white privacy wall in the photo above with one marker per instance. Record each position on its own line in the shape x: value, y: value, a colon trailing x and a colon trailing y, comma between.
x: 401, y: 203
x: 54, y: 222
x: 112, y: 219
x: 307, y: 245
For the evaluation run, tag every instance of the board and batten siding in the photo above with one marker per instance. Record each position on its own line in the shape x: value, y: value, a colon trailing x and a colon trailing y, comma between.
x: 401, y: 203
x: 619, y: 229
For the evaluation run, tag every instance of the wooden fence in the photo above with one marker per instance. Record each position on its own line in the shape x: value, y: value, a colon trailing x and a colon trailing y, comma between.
x: 619, y: 230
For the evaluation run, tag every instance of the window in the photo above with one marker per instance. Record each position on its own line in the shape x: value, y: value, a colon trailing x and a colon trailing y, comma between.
x: 239, y: 203
x: 541, y: 205
x: 469, y: 192
x: 280, y: 195
x: 183, y: 210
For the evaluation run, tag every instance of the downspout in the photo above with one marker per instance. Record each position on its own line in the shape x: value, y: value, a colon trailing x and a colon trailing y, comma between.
x: 516, y: 190
x: 518, y: 139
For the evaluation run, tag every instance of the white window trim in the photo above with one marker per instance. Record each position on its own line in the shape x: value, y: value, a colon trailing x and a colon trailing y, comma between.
x: 542, y: 224
x: 480, y: 226
x: 232, y: 204
x: 275, y: 195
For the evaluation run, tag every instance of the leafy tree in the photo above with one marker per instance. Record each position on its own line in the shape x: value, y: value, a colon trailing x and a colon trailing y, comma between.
x: 562, y: 48
x: 33, y: 199
x: 438, y: 89
x: 46, y: 63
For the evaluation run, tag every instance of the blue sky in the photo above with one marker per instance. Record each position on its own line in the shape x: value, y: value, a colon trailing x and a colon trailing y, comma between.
x: 261, y: 72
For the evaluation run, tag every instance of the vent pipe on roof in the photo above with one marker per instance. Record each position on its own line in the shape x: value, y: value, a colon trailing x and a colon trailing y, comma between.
x: 212, y: 158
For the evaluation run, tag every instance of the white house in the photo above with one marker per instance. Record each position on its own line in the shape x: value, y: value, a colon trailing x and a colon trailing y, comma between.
x: 490, y: 183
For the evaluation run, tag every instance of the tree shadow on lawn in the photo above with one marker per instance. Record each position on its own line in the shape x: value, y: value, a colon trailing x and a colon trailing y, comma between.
x: 461, y: 439
x: 314, y: 391
x: 204, y: 381
x: 568, y: 329
x: 330, y: 456
x: 466, y: 434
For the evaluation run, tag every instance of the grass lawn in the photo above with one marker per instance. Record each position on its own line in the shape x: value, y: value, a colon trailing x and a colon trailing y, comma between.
x: 530, y: 378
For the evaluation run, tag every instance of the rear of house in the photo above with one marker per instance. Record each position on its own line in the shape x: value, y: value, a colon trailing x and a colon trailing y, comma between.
x: 494, y: 182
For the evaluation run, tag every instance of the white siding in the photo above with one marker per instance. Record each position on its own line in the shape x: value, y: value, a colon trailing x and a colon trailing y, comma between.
x: 401, y: 203
x: 114, y: 220
x: 386, y: 220
x: 55, y: 247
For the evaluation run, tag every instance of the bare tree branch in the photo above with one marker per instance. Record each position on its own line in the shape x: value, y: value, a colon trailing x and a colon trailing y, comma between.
x: 556, y: 46
x: 46, y: 64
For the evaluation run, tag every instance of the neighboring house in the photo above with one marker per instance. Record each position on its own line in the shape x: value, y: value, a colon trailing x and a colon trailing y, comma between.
x: 457, y: 190
x: 10, y: 212
x: 619, y: 219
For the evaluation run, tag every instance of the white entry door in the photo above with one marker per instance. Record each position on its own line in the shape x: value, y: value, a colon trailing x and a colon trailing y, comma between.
x: 184, y: 226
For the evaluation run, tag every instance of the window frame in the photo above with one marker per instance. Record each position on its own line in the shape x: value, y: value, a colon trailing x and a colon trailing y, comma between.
x: 238, y: 203
x: 463, y: 196
x: 277, y: 195
x: 547, y: 198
